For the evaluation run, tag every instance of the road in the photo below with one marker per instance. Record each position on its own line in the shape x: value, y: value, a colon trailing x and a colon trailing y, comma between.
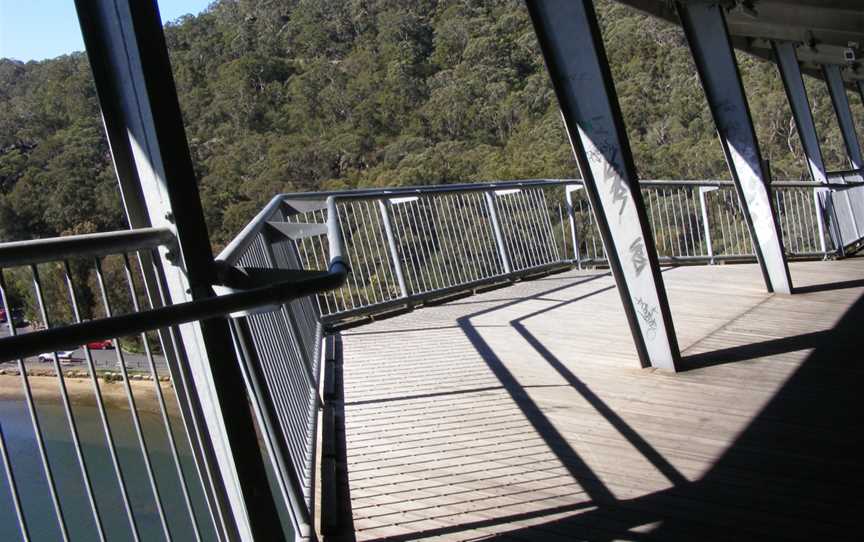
x: 103, y: 359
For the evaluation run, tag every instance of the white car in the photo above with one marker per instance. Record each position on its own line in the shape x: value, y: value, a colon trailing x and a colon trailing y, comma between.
x: 62, y: 355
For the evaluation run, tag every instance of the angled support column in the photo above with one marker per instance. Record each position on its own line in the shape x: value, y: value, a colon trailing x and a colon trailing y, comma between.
x: 705, y: 27
x: 796, y: 93
x: 572, y: 46
x: 141, y: 113
x: 844, y: 114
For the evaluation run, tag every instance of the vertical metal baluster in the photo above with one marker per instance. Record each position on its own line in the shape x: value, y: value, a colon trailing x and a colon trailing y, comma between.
x: 706, y: 224
x: 531, y: 235
x: 350, y: 247
x: 464, y: 227
x: 544, y: 205
x: 672, y: 220
x: 685, y: 204
x: 418, y: 259
x: 496, y: 228
x: 494, y: 255
x: 386, y: 265
x: 520, y: 228
x: 673, y: 239
x: 100, y: 407
x: 683, y: 214
x: 184, y: 486
x: 807, y: 209
x: 322, y: 253
x: 374, y: 249
x: 695, y: 231
x: 417, y: 243
x: 365, y: 248
x: 136, y: 421
x: 570, y: 205
x: 461, y: 233
x: 793, y: 195
x: 67, y: 407
x: 820, y: 221
x: 395, y: 261
x: 523, y: 229
x: 781, y: 219
x: 477, y: 242
x: 564, y: 250
x: 790, y: 222
x: 459, y: 264
x: 663, y: 228
x: 34, y: 419
x: 405, y: 243
x: 433, y: 239
x: 513, y: 232
x: 723, y: 220
x: 180, y: 383
x: 368, y: 257
x: 453, y: 263
x: 732, y: 200
x: 441, y: 235
x: 13, y: 488
x: 480, y: 238
x: 429, y: 241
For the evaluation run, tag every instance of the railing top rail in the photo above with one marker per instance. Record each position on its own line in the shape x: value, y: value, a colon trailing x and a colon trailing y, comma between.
x: 20, y: 253
x: 377, y: 192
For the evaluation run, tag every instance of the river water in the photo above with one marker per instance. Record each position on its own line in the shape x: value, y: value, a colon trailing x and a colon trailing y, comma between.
x: 33, y: 488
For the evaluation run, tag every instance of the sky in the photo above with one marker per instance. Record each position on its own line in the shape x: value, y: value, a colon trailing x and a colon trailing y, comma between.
x: 40, y: 29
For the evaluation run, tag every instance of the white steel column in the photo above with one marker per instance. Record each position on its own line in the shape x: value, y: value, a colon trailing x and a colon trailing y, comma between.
x: 573, y: 49
x: 705, y: 27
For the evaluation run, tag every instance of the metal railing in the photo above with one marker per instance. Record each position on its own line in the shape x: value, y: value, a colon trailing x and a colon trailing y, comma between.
x: 280, y: 346
x: 112, y: 464
x: 281, y: 282
x: 407, y: 245
x: 155, y: 455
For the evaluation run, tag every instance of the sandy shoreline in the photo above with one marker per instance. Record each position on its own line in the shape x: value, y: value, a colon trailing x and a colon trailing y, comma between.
x: 45, y: 388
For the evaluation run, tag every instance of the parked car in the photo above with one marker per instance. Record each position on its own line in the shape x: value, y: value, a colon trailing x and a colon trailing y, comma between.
x: 106, y: 344
x: 62, y: 355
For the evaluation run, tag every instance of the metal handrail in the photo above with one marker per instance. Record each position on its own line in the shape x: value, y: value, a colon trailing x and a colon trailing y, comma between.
x: 20, y: 253
x: 29, y: 344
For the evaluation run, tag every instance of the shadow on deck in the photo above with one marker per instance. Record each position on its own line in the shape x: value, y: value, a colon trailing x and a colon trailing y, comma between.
x: 521, y: 414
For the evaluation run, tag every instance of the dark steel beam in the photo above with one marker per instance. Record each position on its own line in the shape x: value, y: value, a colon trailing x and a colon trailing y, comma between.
x: 705, y: 27
x: 141, y: 113
x: 572, y: 46
x: 790, y: 72
x: 837, y: 90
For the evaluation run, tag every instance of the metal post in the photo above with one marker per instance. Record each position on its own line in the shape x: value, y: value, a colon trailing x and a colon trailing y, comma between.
x: 571, y: 215
x: 706, y: 225
x: 127, y: 53
x: 796, y: 93
x: 496, y: 228
x: 384, y: 207
x: 790, y: 72
x: 705, y: 27
x: 837, y: 90
x: 569, y: 37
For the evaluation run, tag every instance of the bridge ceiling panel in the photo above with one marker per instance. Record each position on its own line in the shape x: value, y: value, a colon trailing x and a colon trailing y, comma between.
x: 831, y: 30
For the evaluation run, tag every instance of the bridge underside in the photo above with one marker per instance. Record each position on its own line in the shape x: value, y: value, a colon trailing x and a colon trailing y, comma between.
x: 518, y: 413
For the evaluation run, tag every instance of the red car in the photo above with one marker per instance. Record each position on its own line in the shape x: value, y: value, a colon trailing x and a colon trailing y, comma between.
x: 101, y: 345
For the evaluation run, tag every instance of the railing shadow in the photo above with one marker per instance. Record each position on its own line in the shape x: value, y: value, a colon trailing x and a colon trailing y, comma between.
x: 792, y: 474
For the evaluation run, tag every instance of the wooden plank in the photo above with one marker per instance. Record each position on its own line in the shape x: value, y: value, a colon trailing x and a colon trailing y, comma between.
x: 479, y: 418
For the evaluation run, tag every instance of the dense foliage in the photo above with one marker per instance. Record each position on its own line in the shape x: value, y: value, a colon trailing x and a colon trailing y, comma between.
x: 308, y: 94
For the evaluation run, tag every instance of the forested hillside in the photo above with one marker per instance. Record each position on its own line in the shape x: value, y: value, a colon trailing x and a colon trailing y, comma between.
x: 310, y: 94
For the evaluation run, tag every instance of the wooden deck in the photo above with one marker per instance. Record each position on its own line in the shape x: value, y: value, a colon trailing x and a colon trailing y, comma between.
x: 522, y: 413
